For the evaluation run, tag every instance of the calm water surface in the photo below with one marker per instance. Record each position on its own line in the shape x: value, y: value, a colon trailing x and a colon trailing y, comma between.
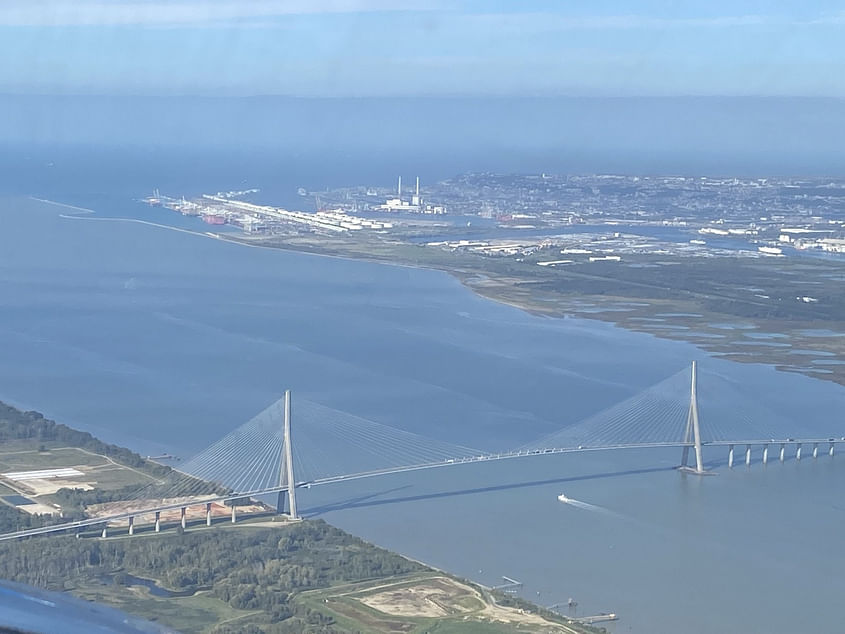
x: 164, y: 341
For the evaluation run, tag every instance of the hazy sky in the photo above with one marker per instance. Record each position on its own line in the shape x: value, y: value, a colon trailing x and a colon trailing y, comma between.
x: 411, y: 47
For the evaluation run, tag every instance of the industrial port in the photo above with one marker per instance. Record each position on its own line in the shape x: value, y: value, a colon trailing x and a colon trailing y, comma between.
x: 230, y: 208
x: 564, y: 219
x: 219, y: 209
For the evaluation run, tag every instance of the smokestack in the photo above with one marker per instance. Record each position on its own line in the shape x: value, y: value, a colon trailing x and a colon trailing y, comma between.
x: 399, y: 189
x: 418, y: 186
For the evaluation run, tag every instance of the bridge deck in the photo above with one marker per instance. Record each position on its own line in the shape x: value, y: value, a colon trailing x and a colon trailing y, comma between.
x: 483, y: 457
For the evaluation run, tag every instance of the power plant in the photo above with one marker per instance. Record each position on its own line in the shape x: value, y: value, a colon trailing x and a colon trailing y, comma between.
x: 415, y: 206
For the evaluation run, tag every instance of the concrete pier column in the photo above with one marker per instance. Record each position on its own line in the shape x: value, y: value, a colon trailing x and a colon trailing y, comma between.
x: 815, y: 450
x: 798, y: 452
x: 158, y: 521
x: 208, y: 514
x: 782, y: 452
x: 830, y: 451
x: 765, y: 454
x: 105, y: 532
x: 234, y: 514
x: 183, y: 518
x: 730, y: 456
x: 131, y: 525
x: 747, y: 455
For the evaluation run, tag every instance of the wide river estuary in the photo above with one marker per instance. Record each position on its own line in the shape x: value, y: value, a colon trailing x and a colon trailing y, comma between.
x: 162, y: 340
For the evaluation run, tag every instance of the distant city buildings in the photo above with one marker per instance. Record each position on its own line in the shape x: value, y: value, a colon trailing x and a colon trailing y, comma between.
x: 603, y: 217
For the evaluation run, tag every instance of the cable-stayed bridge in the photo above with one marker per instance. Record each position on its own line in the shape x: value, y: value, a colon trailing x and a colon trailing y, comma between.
x: 270, y: 454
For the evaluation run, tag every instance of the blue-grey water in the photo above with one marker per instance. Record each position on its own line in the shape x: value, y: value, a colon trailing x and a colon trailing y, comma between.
x: 164, y: 341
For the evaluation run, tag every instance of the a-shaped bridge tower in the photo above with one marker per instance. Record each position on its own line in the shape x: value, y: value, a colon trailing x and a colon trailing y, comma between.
x: 692, y: 434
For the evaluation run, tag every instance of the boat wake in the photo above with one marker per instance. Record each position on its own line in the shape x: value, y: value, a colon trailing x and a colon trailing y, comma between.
x: 587, y: 506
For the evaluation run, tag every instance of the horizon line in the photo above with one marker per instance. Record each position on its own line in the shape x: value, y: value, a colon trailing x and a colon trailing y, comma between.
x: 433, y: 96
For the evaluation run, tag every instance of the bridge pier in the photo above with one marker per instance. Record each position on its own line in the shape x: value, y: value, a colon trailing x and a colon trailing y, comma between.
x: 765, y: 454
x: 208, y: 514
x: 158, y: 521
x: 730, y: 456
x: 815, y: 450
x: 782, y: 452
x: 131, y: 525
x: 798, y: 452
x: 830, y: 451
x: 234, y: 514
x: 184, y: 519
x: 105, y: 532
x: 747, y: 455
x: 286, y: 476
x: 692, y: 435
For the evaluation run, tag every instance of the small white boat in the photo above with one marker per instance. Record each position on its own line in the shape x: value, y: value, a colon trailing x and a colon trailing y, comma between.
x: 563, y: 498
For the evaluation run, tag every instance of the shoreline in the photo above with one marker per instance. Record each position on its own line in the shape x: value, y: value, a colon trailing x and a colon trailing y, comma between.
x: 144, y: 520
x: 499, y: 288
x: 222, y: 237
x: 464, y: 278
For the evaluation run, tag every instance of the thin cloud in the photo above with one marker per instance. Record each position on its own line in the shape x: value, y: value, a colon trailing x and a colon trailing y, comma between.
x: 835, y: 19
x: 548, y: 21
x: 134, y: 12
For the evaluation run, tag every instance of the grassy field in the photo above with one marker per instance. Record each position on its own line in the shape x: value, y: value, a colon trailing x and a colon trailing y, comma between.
x: 195, y: 614
x: 98, y: 471
x: 24, y: 459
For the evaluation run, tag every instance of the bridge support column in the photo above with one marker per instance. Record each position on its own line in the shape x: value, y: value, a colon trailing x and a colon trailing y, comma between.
x: 798, y: 452
x: 158, y: 521
x: 730, y: 456
x: 286, y: 475
x: 183, y: 518
x: 208, y: 514
x: 765, y: 454
x: 830, y: 451
x: 815, y: 450
x: 782, y: 452
x: 692, y: 436
x: 234, y: 514
x: 747, y: 455
x: 131, y: 525
x: 105, y: 532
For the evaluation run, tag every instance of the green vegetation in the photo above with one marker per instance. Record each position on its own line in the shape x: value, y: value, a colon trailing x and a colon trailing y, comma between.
x: 251, y: 569
x: 257, y: 579
x: 11, y: 519
x: 250, y: 578
x: 198, y: 613
x: 16, y: 425
x: 29, y: 441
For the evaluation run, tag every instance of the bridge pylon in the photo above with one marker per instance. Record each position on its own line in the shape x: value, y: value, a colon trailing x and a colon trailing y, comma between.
x: 286, y: 470
x: 692, y: 434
